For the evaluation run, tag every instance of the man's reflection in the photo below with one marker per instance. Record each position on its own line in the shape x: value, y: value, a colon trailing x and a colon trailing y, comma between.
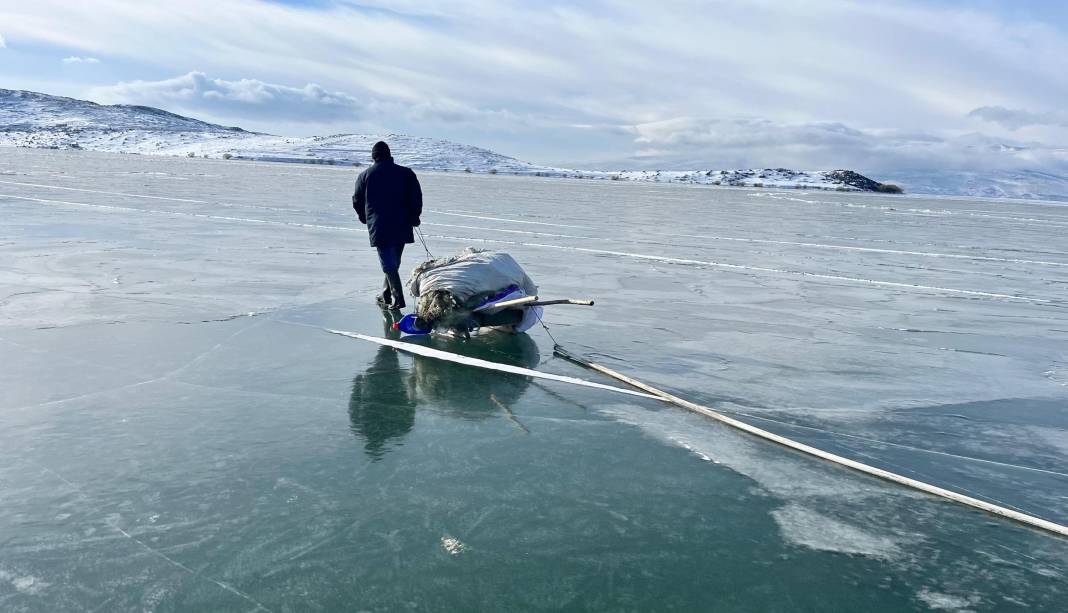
x: 381, y: 407
x: 384, y: 396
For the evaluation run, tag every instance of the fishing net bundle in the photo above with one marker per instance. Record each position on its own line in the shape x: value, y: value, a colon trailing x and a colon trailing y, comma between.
x: 449, y: 289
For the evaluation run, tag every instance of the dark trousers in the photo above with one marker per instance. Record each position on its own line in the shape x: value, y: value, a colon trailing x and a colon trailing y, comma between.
x: 390, y: 256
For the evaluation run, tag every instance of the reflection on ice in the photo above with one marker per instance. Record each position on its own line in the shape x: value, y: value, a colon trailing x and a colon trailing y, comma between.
x: 455, y: 388
x: 382, y: 406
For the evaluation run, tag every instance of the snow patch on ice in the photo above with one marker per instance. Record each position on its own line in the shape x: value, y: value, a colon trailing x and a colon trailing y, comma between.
x: 26, y: 584
x: 808, y: 528
x: 948, y: 602
x: 696, y: 452
x: 452, y: 545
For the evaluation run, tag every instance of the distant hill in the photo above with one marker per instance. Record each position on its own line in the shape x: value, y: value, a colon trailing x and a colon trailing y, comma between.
x: 31, y: 119
x: 24, y: 111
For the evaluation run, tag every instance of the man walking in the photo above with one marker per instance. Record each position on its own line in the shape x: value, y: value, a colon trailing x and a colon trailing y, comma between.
x: 388, y: 199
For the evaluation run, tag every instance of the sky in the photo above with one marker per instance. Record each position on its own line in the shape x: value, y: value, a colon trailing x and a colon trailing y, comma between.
x: 873, y: 86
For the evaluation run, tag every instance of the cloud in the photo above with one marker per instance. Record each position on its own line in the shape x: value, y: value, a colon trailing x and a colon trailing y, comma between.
x: 451, y: 112
x: 74, y: 59
x: 2, y: 43
x: 1014, y: 119
x: 740, y: 143
x: 252, y: 101
x: 743, y: 133
x: 195, y: 93
x: 777, y: 83
x: 744, y: 142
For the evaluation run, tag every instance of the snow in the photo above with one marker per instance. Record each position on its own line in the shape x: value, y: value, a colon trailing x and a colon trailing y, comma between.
x: 948, y: 602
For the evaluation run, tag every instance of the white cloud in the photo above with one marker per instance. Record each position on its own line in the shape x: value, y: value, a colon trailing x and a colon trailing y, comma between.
x: 1014, y: 119
x: 196, y: 93
x: 74, y: 59
x: 253, y: 102
x: 757, y: 81
x: 740, y: 143
x: 2, y: 43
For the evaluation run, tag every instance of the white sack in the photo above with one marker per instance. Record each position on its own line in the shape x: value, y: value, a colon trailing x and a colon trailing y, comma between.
x: 472, y: 272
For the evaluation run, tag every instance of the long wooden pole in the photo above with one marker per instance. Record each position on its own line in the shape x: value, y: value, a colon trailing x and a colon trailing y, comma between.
x: 1024, y: 518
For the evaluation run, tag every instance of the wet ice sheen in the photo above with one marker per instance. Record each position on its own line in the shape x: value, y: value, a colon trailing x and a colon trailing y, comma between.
x: 177, y: 431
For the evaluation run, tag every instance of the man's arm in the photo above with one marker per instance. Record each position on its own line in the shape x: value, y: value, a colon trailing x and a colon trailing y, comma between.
x: 359, y: 199
x: 415, y: 201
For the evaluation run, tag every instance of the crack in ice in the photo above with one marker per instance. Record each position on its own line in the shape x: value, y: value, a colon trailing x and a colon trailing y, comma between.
x: 154, y: 551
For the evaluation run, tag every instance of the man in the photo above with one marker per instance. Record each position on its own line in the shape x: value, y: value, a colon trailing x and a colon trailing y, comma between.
x: 389, y: 201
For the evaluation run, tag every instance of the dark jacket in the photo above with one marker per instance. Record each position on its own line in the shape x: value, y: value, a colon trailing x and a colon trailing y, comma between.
x: 389, y: 201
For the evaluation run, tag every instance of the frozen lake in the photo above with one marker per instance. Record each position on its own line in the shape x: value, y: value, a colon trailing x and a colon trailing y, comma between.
x: 178, y: 431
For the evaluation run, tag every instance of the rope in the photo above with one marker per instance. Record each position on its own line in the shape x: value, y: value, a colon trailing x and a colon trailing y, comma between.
x: 556, y: 344
x: 419, y: 233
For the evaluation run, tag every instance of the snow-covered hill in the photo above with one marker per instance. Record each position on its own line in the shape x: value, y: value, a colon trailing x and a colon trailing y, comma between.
x: 25, y: 111
x: 30, y: 119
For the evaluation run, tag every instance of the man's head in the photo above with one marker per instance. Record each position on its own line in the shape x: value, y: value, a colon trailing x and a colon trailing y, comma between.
x: 380, y: 152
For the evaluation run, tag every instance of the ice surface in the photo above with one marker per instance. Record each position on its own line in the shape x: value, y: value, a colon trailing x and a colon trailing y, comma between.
x: 178, y: 431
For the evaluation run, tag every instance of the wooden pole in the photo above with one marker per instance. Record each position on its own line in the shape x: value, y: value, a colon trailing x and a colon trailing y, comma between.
x: 506, y: 303
x: 1024, y: 518
x: 564, y: 301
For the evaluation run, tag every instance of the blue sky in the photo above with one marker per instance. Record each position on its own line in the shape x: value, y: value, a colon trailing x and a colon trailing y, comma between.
x: 877, y: 86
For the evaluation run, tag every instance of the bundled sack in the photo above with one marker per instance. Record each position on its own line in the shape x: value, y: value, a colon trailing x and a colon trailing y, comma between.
x: 448, y: 289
